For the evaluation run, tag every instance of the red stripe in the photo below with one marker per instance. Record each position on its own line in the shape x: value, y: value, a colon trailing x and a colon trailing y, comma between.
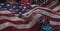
x: 26, y: 29
x: 46, y: 3
x: 50, y: 11
x: 53, y: 19
x: 10, y: 15
x: 14, y: 22
x: 21, y: 16
x: 35, y: 6
x: 55, y: 26
x: 54, y: 6
x: 20, y: 22
x: 31, y: 17
x: 58, y: 10
x: 50, y: 18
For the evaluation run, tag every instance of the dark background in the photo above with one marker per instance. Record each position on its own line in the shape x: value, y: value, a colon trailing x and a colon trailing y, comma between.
x: 2, y: 1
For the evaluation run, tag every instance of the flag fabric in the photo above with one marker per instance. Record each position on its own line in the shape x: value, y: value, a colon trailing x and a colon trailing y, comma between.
x: 52, y: 18
x: 13, y: 17
x: 30, y: 22
x: 52, y: 4
x: 20, y: 17
x: 15, y: 8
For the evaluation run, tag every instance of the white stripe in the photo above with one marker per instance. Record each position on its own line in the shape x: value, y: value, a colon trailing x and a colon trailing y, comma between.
x: 21, y: 26
x: 4, y: 25
x: 19, y: 19
x: 47, y: 13
x: 34, y: 10
x: 57, y: 8
x: 51, y: 4
x: 5, y: 12
x: 34, y: 5
x: 11, y: 18
x: 45, y: 8
x: 54, y: 23
x: 30, y: 24
x: 58, y: 12
x: 44, y: 12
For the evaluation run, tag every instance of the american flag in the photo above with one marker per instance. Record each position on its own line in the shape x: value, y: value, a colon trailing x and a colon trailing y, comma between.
x: 15, y: 8
x: 14, y: 17
x: 52, y: 4
x: 20, y: 17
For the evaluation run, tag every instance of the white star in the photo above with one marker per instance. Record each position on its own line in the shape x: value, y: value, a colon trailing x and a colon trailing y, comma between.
x: 17, y: 10
x: 22, y: 4
x: 2, y: 4
x: 24, y: 7
x: 10, y: 9
x: 20, y: 12
x: 19, y: 6
x: 8, y: 4
x: 14, y: 6
x: 16, y: 3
